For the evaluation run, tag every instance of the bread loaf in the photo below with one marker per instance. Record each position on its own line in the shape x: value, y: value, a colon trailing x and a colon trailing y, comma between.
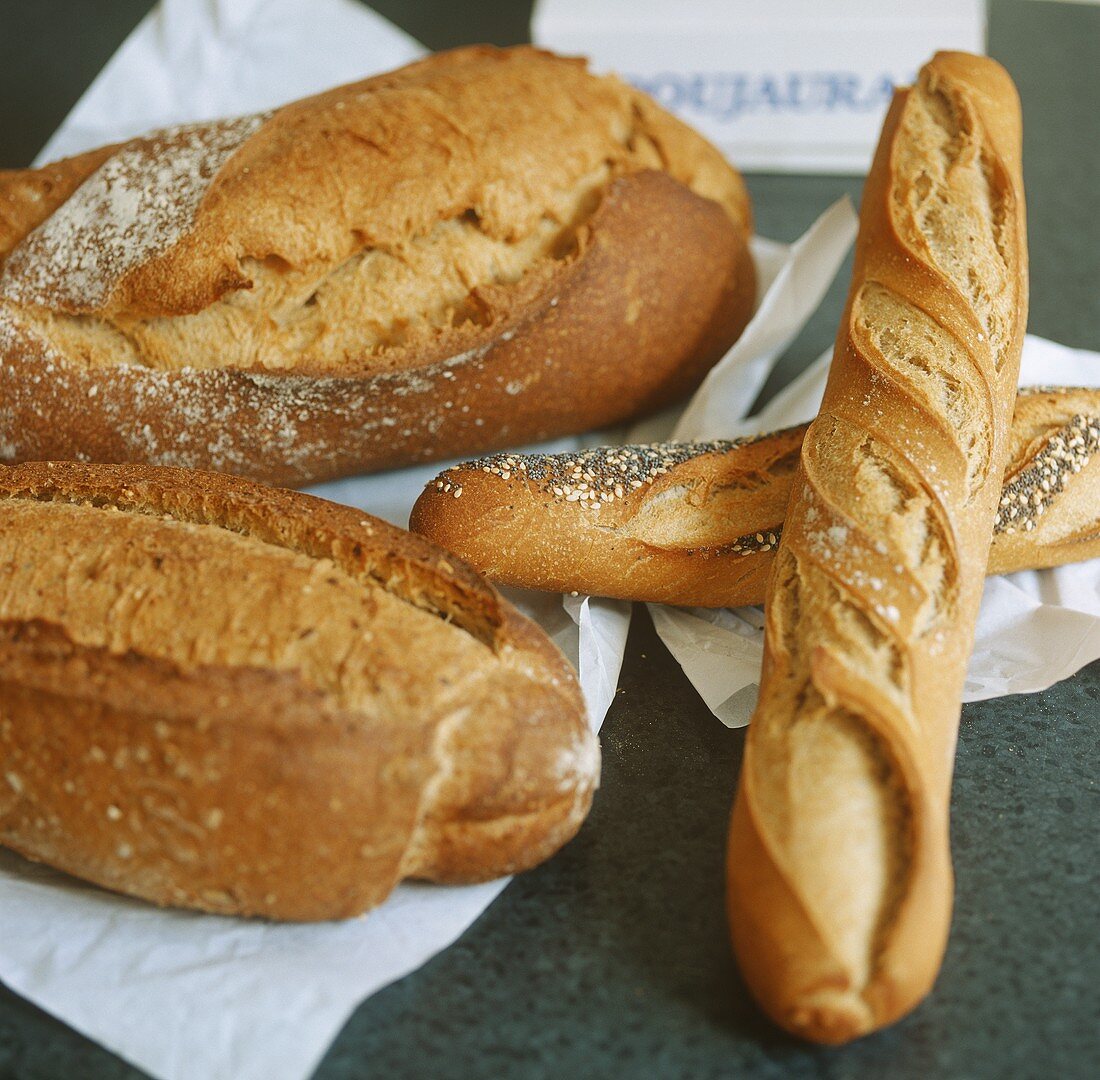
x: 221, y: 696
x: 483, y: 248
x: 697, y: 524
x: 839, y: 868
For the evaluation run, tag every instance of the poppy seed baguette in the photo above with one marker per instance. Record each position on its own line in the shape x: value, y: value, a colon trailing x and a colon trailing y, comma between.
x: 228, y: 697
x: 697, y: 524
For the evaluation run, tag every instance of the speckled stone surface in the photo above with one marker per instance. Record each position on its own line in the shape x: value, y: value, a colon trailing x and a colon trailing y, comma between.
x: 612, y: 959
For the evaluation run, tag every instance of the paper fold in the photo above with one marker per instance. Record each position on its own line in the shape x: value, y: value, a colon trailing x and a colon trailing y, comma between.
x: 204, y: 59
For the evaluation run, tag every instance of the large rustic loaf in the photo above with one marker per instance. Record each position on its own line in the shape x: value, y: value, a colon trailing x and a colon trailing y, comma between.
x: 697, y: 524
x: 483, y: 248
x: 244, y: 700
x: 839, y: 868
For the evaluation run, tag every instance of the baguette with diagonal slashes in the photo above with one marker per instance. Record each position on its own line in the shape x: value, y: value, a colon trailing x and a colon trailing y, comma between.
x: 840, y: 882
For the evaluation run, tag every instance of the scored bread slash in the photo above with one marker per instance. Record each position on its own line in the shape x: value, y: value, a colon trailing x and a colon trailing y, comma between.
x: 119, y: 217
x: 212, y: 696
x: 367, y: 278
x: 696, y: 524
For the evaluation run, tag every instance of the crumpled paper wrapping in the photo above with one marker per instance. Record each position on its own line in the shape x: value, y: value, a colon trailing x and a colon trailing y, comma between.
x: 204, y: 59
x: 192, y: 996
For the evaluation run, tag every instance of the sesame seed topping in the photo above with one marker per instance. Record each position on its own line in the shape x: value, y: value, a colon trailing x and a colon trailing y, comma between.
x: 1029, y: 493
x: 600, y: 475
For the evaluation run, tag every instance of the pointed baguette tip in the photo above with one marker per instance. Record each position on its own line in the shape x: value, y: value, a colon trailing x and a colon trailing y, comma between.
x: 831, y: 1016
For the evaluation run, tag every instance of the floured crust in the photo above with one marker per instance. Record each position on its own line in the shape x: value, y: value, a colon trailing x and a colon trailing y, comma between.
x: 840, y: 882
x: 515, y: 381
x: 29, y: 196
x: 365, y: 247
x: 697, y: 524
x: 207, y: 699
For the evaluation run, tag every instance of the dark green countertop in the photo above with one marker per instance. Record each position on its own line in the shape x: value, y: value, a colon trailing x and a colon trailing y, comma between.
x: 612, y: 959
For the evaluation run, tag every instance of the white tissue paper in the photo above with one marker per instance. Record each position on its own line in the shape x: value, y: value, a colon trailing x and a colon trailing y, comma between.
x: 204, y: 59
x: 191, y: 996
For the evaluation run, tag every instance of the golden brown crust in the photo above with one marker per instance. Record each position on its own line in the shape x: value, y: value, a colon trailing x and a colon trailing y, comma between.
x: 493, y: 131
x: 418, y: 297
x: 704, y: 532
x: 558, y: 365
x: 839, y: 868
x: 670, y: 523
x: 161, y: 739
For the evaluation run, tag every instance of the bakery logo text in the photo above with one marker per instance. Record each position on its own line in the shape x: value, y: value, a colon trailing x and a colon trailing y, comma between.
x: 723, y: 95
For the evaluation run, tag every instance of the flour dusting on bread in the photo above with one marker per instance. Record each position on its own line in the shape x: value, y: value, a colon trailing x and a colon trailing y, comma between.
x: 137, y: 205
x: 437, y: 261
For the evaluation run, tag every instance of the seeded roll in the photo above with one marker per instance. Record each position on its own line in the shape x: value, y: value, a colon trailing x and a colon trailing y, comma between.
x: 484, y: 248
x: 697, y: 524
x: 1049, y: 510
x: 687, y: 523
